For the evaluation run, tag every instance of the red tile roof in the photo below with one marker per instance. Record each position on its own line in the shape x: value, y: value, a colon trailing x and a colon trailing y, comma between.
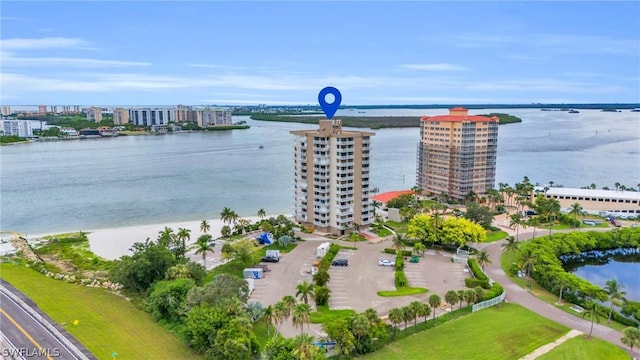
x: 386, y: 196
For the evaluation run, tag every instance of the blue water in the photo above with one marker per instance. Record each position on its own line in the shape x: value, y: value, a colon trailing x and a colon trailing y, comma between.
x: 101, y: 183
x: 626, y: 273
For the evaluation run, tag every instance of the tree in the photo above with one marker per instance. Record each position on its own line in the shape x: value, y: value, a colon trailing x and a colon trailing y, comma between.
x: 512, y: 246
x: 301, y: 315
x: 222, y: 287
x: 562, y: 281
x: 322, y: 277
x: 434, y: 302
x: 279, y: 313
x: 398, y: 243
x: 167, y: 299
x: 407, y: 315
x: 255, y: 311
x: 269, y: 315
x: 203, y: 246
x: 244, y: 251
x: 527, y: 260
x: 304, y: 290
x: 165, y: 237
x: 516, y: 220
x: 460, y: 297
x: 469, y: 297
x: 483, y: 259
x: 204, y: 226
x: 289, y: 301
x: 322, y: 295
x: 262, y: 214
x: 396, y: 317
x: 576, y: 209
x: 181, y: 238
x: 616, y: 294
x: 416, y: 310
x: 225, y: 231
x: 285, y: 240
x: 424, y: 311
x: 226, y: 215
x: 360, y: 327
x: 148, y: 264
x: 631, y: 337
x: 419, y: 249
x: 591, y: 312
x: 479, y: 214
x: 305, y: 349
x: 452, y: 298
x: 339, y: 330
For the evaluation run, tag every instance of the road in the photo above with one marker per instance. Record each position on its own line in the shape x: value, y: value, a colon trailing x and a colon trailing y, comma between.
x: 518, y: 295
x: 30, y: 336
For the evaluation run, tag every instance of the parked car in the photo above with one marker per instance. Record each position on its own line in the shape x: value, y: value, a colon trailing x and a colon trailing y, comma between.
x: 386, y: 262
x: 340, y: 262
x: 615, y: 223
x: 414, y: 259
x: 271, y: 259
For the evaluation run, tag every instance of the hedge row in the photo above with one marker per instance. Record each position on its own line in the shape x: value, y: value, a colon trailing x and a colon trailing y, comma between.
x: 393, y: 251
x: 472, y: 283
x: 495, y: 291
x: 401, y: 279
x: 477, y: 271
x: 325, y: 263
x: 399, y: 262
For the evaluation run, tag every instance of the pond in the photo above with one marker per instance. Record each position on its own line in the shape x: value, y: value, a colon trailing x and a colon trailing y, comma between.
x: 626, y: 273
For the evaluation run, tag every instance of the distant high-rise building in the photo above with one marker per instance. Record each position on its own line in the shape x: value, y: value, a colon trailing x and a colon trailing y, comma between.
x: 6, y: 110
x: 94, y: 114
x: 150, y: 117
x: 215, y: 117
x: 120, y: 116
x: 20, y: 128
x: 457, y: 154
x: 331, y: 178
x: 42, y: 109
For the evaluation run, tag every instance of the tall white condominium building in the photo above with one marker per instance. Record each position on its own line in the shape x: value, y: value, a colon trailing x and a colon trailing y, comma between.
x: 20, y: 128
x: 149, y: 117
x: 214, y: 117
x: 94, y: 114
x: 6, y: 110
x: 120, y: 116
x: 332, y: 177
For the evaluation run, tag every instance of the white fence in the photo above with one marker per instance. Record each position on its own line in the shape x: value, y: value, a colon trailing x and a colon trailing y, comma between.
x: 488, y: 303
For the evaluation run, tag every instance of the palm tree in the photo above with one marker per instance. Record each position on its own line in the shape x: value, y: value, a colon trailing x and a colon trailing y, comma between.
x: 631, y: 337
x: 360, y: 326
x: 591, y: 312
x: 183, y: 235
x: 262, y: 214
x: 416, y: 311
x: 304, y: 348
x: 576, y: 209
x: 451, y: 297
x: 289, y: 301
x: 434, y: 302
x: 203, y: 246
x: 396, y: 317
x: 469, y: 296
x: 528, y: 260
x: 204, y: 226
x: 226, y: 215
x: 516, y: 220
x: 165, y: 237
x: 407, y: 315
x: 533, y: 222
x: 483, y: 259
x: 398, y: 242
x: 616, y: 294
x: 562, y: 281
x: 419, y: 248
x: 280, y: 312
x: 305, y: 290
x: 461, y: 297
x: 269, y: 315
x: 301, y: 315
x: 511, y: 245
x: 423, y: 310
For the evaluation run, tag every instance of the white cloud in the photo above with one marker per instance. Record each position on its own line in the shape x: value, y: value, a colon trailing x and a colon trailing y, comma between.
x: 41, y: 43
x: 15, y: 61
x: 434, y: 67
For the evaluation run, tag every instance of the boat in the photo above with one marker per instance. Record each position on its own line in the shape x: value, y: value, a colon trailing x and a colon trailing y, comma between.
x: 610, y: 110
x: 572, y: 111
x: 635, y: 110
x: 261, y: 147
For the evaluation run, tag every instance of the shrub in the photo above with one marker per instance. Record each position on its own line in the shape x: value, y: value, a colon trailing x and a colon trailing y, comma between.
x: 389, y: 251
x: 400, y: 279
x: 472, y: 283
x: 399, y: 262
x: 477, y: 271
x: 495, y: 291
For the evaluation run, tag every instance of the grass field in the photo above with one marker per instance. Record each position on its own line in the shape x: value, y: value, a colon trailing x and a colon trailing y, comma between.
x: 107, y: 323
x: 496, y: 235
x: 506, y: 331
x: 324, y: 314
x: 585, y: 349
x: 402, y: 291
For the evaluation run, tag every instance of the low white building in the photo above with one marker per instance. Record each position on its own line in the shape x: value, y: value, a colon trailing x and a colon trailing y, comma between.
x: 595, y: 201
x: 21, y: 128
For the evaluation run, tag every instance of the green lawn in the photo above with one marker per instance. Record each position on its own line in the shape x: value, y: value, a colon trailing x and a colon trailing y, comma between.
x: 506, y: 331
x: 585, y: 349
x: 496, y: 235
x: 384, y: 232
x: 400, y: 227
x: 403, y: 291
x: 107, y: 323
x: 324, y: 314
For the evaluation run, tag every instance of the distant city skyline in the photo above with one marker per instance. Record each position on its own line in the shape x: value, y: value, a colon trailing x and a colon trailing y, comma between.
x: 283, y: 53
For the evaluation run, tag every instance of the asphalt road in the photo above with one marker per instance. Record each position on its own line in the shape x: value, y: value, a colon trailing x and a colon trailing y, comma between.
x: 29, y: 338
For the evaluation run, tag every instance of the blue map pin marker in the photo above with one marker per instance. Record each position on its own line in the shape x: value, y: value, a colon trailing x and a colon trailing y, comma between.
x: 330, y: 108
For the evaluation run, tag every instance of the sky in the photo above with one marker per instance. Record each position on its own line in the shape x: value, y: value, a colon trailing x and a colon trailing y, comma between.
x: 284, y: 53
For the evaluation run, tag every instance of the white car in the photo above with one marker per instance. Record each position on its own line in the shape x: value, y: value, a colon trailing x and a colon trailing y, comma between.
x: 386, y: 262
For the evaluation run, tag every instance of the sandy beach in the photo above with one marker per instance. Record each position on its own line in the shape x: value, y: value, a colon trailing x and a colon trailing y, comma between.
x: 116, y: 242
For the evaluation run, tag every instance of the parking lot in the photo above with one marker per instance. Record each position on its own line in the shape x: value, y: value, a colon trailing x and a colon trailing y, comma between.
x: 356, y: 286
